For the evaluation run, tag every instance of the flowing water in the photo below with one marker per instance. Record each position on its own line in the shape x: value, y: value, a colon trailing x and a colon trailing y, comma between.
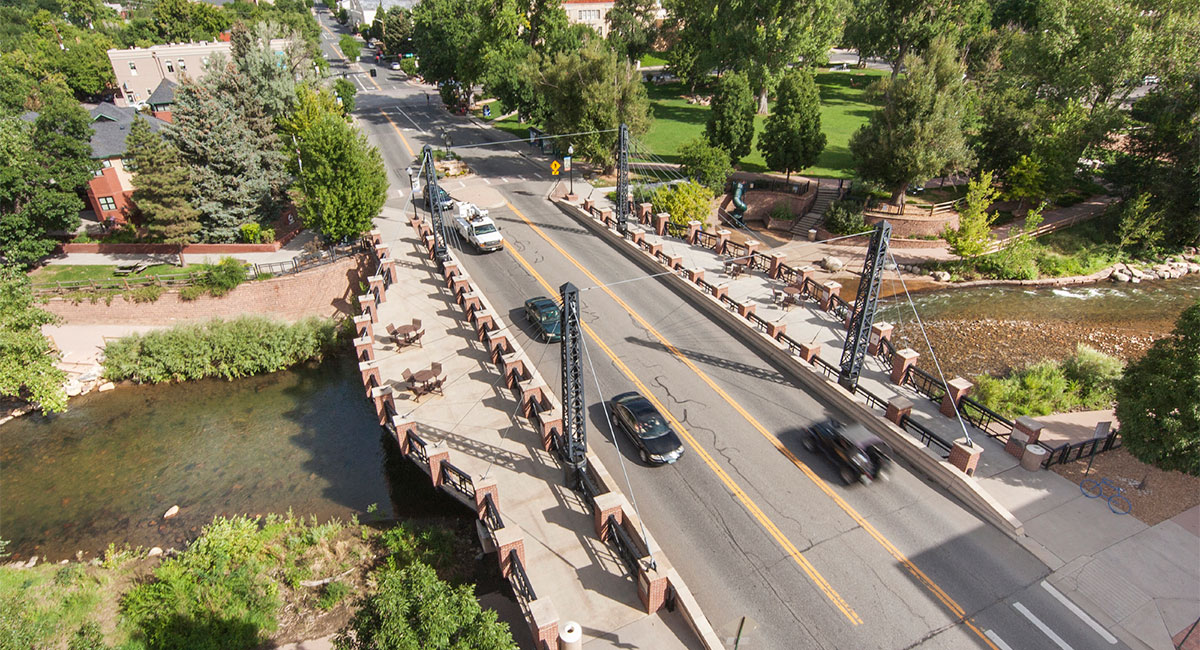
x: 110, y: 467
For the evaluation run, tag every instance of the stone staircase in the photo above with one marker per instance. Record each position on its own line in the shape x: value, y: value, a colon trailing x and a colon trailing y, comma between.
x: 816, y: 216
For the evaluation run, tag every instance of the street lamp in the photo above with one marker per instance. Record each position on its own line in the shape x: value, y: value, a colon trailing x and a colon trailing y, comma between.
x: 412, y: 189
x: 570, y: 169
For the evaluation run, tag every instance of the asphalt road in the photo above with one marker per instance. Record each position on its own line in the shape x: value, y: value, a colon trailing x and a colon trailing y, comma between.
x: 776, y: 547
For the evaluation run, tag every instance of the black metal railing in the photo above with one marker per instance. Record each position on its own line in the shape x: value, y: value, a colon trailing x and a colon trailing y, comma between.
x: 886, y: 352
x: 760, y: 262
x: 734, y: 249
x: 788, y: 273
x: 518, y: 578
x: 984, y: 418
x: 706, y: 287
x: 872, y: 398
x: 839, y: 307
x: 730, y: 303
x: 589, y: 487
x: 759, y: 323
x: 491, y: 514
x: 825, y: 367
x: 924, y: 383
x: 1067, y: 452
x: 706, y: 239
x: 416, y: 448
x: 623, y: 544
x: 457, y: 479
x: 929, y: 438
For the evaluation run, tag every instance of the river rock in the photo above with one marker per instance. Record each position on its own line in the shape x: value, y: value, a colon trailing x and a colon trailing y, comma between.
x: 154, y: 552
x: 889, y: 266
x: 106, y: 386
x: 171, y: 512
x: 831, y: 263
x: 1120, y: 276
x: 941, y: 276
x: 1193, y: 268
x: 74, y: 388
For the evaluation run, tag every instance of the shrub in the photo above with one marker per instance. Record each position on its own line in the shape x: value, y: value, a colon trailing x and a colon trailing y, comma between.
x: 192, y: 292
x: 845, y: 218
x: 246, y: 346
x: 332, y: 594
x: 266, y: 236
x: 782, y: 211
x: 148, y: 293
x: 687, y: 201
x: 1038, y: 389
x: 222, y: 277
x: 1095, y: 373
x: 409, y: 67
x: 88, y: 637
x: 251, y: 233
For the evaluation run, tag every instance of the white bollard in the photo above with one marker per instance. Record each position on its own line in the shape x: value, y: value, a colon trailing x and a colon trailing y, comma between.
x: 570, y: 636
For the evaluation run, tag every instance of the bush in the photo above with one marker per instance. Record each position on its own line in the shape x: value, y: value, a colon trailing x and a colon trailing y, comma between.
x: 782, y: 211
x: 686, y: 201
x: 222, y: 277
x: 1038, y: 389
x: 148, y: 293
x: 192, y: 292
x: 1095, y: 373
x: 251, y: 233
x: 243, y: 347
x: 845, y: 218
x: 332, y: 594
x: 409, y: 67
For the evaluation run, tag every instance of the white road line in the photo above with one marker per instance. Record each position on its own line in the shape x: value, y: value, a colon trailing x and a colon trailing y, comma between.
x: 997, y: 640
x: 1042, y: 626
x: 1105, y: 634
x: 503, y: 179
x: 415, y: 125
x: 487, y: 181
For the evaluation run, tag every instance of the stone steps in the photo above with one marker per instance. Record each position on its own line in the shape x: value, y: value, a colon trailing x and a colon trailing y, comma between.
x: 815, y: 216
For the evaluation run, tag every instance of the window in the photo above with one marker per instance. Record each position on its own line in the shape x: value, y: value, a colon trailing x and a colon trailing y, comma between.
x: 589, y: 14
x: 107, y: 203
x: 133, y: 68
x: 170, y: 67
x: 182, y: 66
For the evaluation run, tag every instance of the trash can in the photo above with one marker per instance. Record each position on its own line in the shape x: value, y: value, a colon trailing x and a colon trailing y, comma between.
x: 812, y: 234
x: 570, y: 636
x: 1033, y: 457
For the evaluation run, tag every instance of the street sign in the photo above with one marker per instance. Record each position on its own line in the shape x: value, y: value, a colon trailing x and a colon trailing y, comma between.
x: 554, y: 167
x: 566, y: 163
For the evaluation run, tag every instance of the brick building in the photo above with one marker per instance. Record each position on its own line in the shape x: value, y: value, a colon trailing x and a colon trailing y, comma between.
x: 108, y: 193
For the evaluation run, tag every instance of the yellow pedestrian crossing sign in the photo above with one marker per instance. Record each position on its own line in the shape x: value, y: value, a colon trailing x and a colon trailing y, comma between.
x: 554, y: 167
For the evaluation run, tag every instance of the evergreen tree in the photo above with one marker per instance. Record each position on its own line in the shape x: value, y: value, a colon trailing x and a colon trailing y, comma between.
x: 342, y: 180
x: 792, y: 139
x: 227, y: 140
x: 633, y: 27
x: 974, y: 233
x: 731, y: 120
x: 918, y: 132
x: 163, y: 187
x: 272, y: 79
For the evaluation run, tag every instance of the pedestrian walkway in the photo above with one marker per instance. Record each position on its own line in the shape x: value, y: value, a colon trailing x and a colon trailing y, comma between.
x: 292, y: 249
x: 1140, y: 582
x: 479, y: 418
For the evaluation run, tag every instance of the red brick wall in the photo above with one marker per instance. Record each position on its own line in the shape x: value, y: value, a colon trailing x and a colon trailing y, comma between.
x: 108, y: 184
x: 323, y: 291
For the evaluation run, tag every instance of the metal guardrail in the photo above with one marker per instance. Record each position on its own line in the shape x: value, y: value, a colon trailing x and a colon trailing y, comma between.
x: 734, y: 249
x: 924, y: 383
x: 887, y: 353
x: 457, y: 479
x: 519, y: 579
x: 827, y: 368
x: 1067, y: 452
x: 416, y: 448
x: 708, y: 288
x: 759, y: 323
x: 760, y: 262
x: 984, y: 418
x: 872, y: 398
x: 730, y: 303
x: 788, y: 273
x: 166, y: 280
x: 706, y: 239
x: 925, y: 435
x: 623, y: 544
x: 839, y: 307
x: 491, y: 514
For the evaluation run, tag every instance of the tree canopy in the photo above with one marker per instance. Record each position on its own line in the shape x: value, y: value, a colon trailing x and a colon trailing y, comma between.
x: 633, y: 28
x: 162, y: 187
x: 27, y: 361
x: 341, y: 178
x: 731, y: 118
x: 705, y: 164
x: 792, y: 139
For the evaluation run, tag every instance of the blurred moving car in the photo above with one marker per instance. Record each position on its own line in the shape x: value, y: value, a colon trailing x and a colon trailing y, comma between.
x: 542, y: 313
x: 657, y: 443
x: 857, y: 454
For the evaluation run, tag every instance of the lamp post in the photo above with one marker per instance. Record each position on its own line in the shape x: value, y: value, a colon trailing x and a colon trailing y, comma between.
x: 412, y: 189
x: 570, y: 169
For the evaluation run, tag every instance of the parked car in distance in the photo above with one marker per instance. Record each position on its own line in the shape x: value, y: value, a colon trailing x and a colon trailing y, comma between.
x: 542, y: 313
x: 657, y: 443
x: 855, y: 452
x: 443, y: 198
x: 395, y: 65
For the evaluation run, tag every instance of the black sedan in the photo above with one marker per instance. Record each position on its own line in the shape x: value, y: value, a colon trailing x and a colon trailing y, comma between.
x: 856, y: 453
x: 542, y: 313
x: 646, y: 427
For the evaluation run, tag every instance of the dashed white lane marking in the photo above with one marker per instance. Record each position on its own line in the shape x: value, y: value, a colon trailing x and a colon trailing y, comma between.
x: 1105, y: 634
x: 1037, y: 622
x: 487, y: 181
x: 415, y: 125
x: 995, y: 638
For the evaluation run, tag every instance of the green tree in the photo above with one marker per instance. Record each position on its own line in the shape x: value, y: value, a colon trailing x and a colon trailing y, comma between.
x: 312, y: 104
x: 590, y: 91
x: 396, y: 30
x: 1140, y: 225
x: 345, y: 91
x: 342, y: 180
x: 27, y: 361
x: 705, y: 164
x: 974, y: 234
x: 351, y: 48
x: 764, y: 37
x: 1027, y: 180
x: 268, y: 79
x: 632, y: 27
x: 731, y: 118
x: 163, y: 187
x: 792, y: 138
x: 687, y: 201
x: 1158, y: 399
x: 919, y: 131
x: 182, y: 20
x: 411, y: 609
x: 445, y: 39
x: 893, y: 29
x: 45, y: 167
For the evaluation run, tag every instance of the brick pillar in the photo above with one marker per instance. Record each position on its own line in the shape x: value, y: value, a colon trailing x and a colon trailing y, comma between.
x: 532, y: 392
x: 609, y: 503
x: 376, y: 284
x: 550, y: 420
x: 804, y: 274
x: 652, y: 584
x: 404, y: 426
x: 660, y: 223
x: 879, y: 332
x: 366, y: 304
x: 959, y: 388
x: 364, y: 348
x: 460, y: 283
x: 810, y: 351
x: 382, y: 251
x: 777, y: 261
x: 484, y: 487
x: 369, y: 369
x: 752, y: 246
x: 449, y: 270
x: 438, y: 454
x: 831, y: 289
x: 362, y: 326
x: 722, y: 239
x: 635, y: 236
x: 644, y: 212
x: 693, y: 231
x: 376, y: 237
x: 382, y: 396
x: 497, y: 342
x: 674, y: 262
x: 430, y: 245
x: 543, y: 622
x: 470, y: 303
x: 965, y: 458
x: 654, y: 250
x: 484, y: 322
x: 898, y: 408
x: 745, y: 310
x: 514, y: 369
x: 588, y: 204
x: 387, y: 268
x: 1026, y: 431
x: 695, y: 275
x: 720, y: 291
x: 606, y: 216
x: 776, y: 330
x: 901, y: 360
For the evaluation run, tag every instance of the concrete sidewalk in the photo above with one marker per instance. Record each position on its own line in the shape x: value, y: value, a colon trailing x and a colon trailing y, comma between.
x: 292, y: 249
x: 479, y: 419
x: 1140, y: 582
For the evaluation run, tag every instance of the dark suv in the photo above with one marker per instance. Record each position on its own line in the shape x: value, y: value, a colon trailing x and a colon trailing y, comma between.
x: 856, y: 453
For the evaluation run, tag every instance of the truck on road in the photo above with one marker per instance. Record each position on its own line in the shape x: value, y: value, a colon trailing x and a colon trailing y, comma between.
x: 477, y: 227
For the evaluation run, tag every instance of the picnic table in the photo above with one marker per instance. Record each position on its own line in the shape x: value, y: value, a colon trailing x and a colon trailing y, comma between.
x: 132, y: 268
x: 406, y: 334
x: 425, y: 381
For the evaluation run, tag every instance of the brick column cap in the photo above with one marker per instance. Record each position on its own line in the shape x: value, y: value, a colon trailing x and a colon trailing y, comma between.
x: 960, y: 385
x: 368, y: 365
x: 1029, y: 424
x: 361, y: 341
x: 900, y: 403
x: 907, y: 354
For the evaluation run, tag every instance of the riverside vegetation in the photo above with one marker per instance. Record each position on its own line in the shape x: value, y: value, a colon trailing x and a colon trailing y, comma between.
x: 1084, y: 380
x: 249, y: 580
x: 242, y: 347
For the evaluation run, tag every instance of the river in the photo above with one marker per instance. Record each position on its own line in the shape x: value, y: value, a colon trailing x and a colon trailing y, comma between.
x: 110, y: 467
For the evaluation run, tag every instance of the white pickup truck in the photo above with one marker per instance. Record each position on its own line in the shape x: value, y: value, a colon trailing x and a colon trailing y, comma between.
x: 477, y: 227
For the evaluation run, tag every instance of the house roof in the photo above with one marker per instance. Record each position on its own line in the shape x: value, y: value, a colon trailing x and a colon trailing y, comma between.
x: 164, y: 94
x: 111, y: 125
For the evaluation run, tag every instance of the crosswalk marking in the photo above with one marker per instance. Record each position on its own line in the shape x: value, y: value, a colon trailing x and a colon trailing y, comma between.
x: 1037, y: 622
x: 1080, y: 613
x: 995, y: 638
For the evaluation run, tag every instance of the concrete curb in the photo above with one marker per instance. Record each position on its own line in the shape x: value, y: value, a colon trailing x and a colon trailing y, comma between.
x: 963, y: 487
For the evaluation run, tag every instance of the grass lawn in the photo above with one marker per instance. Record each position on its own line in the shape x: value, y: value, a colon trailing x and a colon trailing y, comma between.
x: 74, y: 272
x: 654, y: 58
x: 843, y: 110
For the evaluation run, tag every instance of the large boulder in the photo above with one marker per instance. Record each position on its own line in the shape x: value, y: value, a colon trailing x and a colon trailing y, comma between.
x: 831, y: 263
